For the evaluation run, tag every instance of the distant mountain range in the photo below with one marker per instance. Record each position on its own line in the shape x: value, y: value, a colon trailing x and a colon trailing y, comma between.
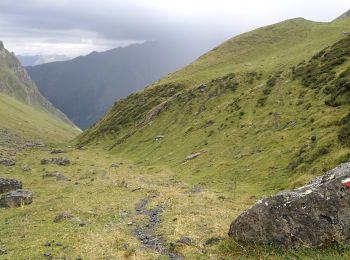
x: 86, y: 87
x: 40, y: 59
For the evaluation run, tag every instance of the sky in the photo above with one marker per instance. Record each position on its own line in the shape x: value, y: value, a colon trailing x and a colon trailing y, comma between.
x: 78, y: 27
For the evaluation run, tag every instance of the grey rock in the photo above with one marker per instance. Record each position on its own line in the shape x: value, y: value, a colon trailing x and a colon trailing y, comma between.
x: 3, y: 250
x: 313, y: 215
x: 65, y: 215
x: 213, y: 241
x: 16, y: 198
x: 57, y: 151
x: 186, y: 241
x: 192, y: 156
x: 25, y: 168
x: 159, y: 137
x: 7, y: 185
x: 58, y: 161
x: 7, y: 162
x: 47, y: 254
x: 114, y: 165
x: 201, y: 88
x: 196, y: 189
x: 57, y: 175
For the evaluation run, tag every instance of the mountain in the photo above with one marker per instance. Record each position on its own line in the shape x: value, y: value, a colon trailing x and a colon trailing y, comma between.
x: 165, y: 172
x: 86, y: 87
x: 344, y: 15
x: 263, y: 107
x: 23, y: 106
x: 40, y: 59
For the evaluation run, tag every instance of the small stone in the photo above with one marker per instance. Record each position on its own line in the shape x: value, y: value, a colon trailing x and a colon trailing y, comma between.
x: 58, y: 176
x: 47, y: 254
x: 64, y: 216
x: 192, y: 156
x: 47, y: 244
x: 3, y: 250
x: 186, y: 241
x: 58, y: 244
x: 58, y: 161
x: 114, y: 165
x: 7, y: 185
x: 7, y: 162
x: 196, y: 189
x: 123, y: 214
x: 130, y: 223
x: 76, y: 219
x: 25, y: 168
x: 57, y: 151
x: 159, y: 137
x: 213, y: 240
x: 16, y: 198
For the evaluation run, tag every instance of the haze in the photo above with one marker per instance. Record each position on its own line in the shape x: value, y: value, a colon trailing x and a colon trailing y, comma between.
x: 78, y: 27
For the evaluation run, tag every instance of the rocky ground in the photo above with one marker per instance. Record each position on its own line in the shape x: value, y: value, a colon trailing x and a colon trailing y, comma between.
x: 86, y: 203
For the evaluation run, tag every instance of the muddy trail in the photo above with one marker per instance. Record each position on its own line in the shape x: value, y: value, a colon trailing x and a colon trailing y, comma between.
x: 145, y: 231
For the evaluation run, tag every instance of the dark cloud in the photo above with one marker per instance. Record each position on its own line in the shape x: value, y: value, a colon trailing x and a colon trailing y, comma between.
x: 114, y: 22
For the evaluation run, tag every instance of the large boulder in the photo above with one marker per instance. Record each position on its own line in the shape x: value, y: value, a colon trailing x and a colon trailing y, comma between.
x: 311, y: 216
x: 16, y: 198
x: 8, y: 185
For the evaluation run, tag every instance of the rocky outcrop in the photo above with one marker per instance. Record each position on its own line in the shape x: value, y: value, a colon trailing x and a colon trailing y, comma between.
x: 16, y: 198
x: 58, y: 161
x: 8, y: 185
x: 311, y: 216
x: 12, y: 195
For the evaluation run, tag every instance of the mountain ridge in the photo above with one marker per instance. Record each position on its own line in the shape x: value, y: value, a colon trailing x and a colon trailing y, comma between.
x: 85, y: 87
x: 219, y: 104
x: 16, y: 83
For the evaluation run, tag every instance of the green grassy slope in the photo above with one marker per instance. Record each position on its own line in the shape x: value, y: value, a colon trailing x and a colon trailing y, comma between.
x: 33, y: 124
x: 231, y: 121
x: 259, y: 129
x: 15, y: 82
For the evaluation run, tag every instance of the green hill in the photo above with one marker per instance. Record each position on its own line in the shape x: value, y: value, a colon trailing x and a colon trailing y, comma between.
x: 15, y: 82
x: 23, y: 110
x: 248, y: 83
x: 32, y: 124
x: 168, y: 168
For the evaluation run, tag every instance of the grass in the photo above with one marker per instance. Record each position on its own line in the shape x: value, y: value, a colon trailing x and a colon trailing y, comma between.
x: 248, y: 149
x: 273, y: 130
x: 33, y: 124
x: 99, y: 194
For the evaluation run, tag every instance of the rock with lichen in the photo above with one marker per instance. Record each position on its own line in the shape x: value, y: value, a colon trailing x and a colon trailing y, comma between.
x: 313, y: 215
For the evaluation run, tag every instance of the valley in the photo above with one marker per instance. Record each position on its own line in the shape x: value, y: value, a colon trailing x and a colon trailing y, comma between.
x: 101, y: 197
x: 164, y: 173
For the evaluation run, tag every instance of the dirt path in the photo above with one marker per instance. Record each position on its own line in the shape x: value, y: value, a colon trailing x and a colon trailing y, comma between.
x: 145, y: 230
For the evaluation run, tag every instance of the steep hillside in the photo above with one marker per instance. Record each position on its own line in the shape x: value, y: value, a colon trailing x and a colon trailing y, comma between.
x: 23, y: 123
x: 244, y: 108
x: 85, y: 87
x: 165, y: 172
x: 15, y: 82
